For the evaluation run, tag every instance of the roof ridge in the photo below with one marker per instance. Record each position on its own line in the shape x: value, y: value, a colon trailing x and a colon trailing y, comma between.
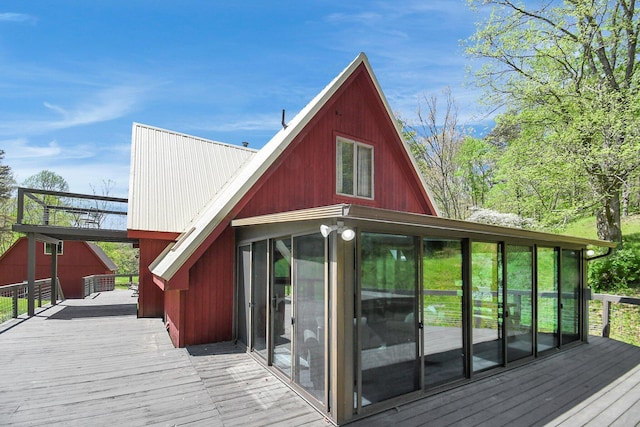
x: 199, y: 138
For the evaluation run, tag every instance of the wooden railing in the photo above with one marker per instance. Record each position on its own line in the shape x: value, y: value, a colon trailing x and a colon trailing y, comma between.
x: 103, y: 282
x: 13, y: 298
x: 627, y: 317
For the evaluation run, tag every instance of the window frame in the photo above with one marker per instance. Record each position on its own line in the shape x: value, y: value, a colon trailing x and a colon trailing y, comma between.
x: 59, y: 247
x: 356, y: 167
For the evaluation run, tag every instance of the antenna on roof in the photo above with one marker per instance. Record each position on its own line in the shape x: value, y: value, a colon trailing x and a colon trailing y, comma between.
x: 284, y: 125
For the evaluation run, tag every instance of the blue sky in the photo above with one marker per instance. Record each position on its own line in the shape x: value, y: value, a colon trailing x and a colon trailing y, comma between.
x: 75, y: 75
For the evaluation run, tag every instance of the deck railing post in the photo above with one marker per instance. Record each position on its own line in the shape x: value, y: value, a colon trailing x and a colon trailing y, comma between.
x: 606, y: 309
x: 16, y: 291
x: 39, y: 294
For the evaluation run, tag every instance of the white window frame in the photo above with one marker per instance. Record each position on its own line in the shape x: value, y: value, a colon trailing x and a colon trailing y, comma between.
x: 59, y: 246
x: 356, y: 168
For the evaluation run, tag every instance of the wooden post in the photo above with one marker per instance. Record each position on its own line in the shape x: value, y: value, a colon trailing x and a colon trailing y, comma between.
x: 16, y: 290
x: 54, y: 275
x: 606, y: 311
x: 31, y: 274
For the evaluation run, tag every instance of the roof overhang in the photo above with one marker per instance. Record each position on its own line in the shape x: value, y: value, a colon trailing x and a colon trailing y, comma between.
x: 55, y: 233
x: 443, y: 226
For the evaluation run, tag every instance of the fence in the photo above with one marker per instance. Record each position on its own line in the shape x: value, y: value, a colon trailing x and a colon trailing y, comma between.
x: 615, y: 316
x: 103, y: 282
x: 13, y: 298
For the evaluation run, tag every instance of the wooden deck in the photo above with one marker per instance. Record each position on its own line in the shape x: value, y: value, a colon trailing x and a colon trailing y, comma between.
x: 92, y: 362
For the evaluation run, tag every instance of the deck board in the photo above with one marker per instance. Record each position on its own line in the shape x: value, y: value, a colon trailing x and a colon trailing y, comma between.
x: 92, y: 362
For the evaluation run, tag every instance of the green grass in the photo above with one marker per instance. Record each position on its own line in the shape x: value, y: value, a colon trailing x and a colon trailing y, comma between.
x: 625, y: 318
x: 586, y: 227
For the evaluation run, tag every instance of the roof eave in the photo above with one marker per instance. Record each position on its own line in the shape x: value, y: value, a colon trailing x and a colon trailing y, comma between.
x: 220, y: 207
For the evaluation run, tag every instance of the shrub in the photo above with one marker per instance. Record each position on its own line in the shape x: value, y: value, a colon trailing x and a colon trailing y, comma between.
x: 619, y: 273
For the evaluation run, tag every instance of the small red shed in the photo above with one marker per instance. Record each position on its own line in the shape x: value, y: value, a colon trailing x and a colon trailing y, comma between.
x: 75, y: 260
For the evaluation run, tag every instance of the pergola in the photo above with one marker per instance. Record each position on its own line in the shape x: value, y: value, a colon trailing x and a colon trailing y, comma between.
x: 54, y: 216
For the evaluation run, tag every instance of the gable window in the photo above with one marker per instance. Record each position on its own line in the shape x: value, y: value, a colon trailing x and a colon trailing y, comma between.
x: 49, y: 246
x: 354, y: 168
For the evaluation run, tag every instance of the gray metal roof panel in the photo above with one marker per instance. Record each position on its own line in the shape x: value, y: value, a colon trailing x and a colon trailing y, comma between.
x: 174, y: 175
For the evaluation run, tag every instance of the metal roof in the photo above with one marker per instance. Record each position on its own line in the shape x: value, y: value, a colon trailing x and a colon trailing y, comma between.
x: 104, y: 258
x: 168, y: 263
x: 174, y: 175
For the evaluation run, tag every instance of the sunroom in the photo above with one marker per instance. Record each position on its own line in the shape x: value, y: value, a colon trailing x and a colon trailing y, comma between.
x: 360, y: 309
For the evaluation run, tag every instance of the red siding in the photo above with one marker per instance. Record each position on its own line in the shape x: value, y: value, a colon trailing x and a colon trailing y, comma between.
x: 210, y: 295
x: 151, y: 298
x: 174, y: 315
x: 304, y: 176
x: 76, y: 262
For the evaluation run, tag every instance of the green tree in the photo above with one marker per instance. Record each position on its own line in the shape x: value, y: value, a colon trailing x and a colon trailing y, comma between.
x: 571, y: 66
x: 44, y: 211
x: 7, y: 205
x: 477, y: 160
x: 531, y: 180
x: 46, y: 180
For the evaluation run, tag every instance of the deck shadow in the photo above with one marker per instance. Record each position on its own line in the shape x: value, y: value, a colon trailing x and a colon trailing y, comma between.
x: 216, y: 348
x: 78, y: 312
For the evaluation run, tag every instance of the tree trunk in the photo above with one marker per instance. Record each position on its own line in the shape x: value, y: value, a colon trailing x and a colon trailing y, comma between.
x: 608, y: 218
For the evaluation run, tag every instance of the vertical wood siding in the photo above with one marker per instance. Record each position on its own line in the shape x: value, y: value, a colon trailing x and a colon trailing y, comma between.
x: 76, y: 262
x: 304, y: 176
x: 174, y: 316
x: 209, y: 317
x: 150, y: 296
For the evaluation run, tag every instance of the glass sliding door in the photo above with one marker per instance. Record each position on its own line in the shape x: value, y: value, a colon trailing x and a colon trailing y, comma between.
x: 260, y: 285
x: 547, y: 298
x: 442, y: 311
x: 570, y: 290
x: 310, y: 313
x: 281, y: 304
x: 518, y: 312
x: 388, y: 323
x: 243, y: 301
x: 487, y: 305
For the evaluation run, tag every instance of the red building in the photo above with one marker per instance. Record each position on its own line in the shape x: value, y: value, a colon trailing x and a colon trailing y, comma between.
x: 323, y: 254
x: 75, y: 261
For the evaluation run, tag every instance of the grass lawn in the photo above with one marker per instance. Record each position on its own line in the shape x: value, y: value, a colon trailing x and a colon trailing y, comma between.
x: 586, y: 227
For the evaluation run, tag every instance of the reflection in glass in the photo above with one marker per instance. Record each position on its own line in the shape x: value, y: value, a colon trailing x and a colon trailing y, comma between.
x: 570, y: 288
x: 387, y: 327
x: 486, y: 272
x: 309, y: 345
x: 281, y: 305
x: 547, y: 298
x: 519, y: 304
x: 442, y: 313
x: 260, y: 283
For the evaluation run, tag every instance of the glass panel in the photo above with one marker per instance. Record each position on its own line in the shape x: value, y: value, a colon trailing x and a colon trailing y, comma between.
x: 309, y: 345
x: 547, y: 298
x: 388, y: 323
x: 260, y: 285
x: 519, y: 307
x: 344, y: 167
x: 570, y: 288
x: 486, y: 272
x: 244, y: 292
x: 365, y: 171
x: 443, y: 345
x: 281, y: 305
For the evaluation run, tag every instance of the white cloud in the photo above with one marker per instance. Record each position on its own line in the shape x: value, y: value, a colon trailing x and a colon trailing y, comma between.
x: 106, y: 105
x: 17, y: 17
